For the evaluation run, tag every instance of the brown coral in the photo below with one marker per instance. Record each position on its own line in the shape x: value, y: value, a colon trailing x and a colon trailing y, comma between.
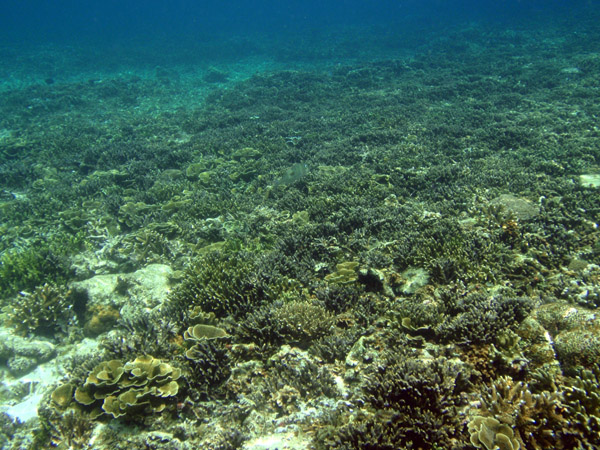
x: 538, y: 420
x: 117, y: 389
x: 489, y: 433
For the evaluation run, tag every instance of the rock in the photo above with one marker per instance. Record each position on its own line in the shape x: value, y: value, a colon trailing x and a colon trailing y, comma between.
x: 24, y: 354
x: 521, y: 208
x: 288, y: 441
x: 590, y: 180
x: 147, y: 287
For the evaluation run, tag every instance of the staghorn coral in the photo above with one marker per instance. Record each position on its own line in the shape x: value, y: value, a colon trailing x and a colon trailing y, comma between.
x: 385, y: 430
x: 410, y: 403
x: 9, y: 429
x: 294, y: 322
x: 207, y: 357
x: 582, y: 399
x: 336, y: 346
x: 71, y: 430
x: 478, y: 319
x: 209, y: 367
x: 224, y: 284
x: 259, y: 327
x: 48, y: 310
x: 45, y: 260
x: 142, y: 333
x: 300, y: 322
x: 539, y: 420
x: 465, y: 319
x: 337, y: 298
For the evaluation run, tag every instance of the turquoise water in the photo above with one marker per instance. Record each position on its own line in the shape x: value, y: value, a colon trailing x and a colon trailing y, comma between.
x: 329, y: 225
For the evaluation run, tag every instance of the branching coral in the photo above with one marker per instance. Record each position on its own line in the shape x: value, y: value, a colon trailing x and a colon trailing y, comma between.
x: 539, y: 421
x: 47, y: 310
x: 24, y: 269
x: 412, y: 403
x: 209, y: 367
x: 477, y: 318
x: 470, y: 319
x: 149, y: 334
x: 71, y: 430
x: 300, y: 322
x: 582, y: 398
x: 224, y: 284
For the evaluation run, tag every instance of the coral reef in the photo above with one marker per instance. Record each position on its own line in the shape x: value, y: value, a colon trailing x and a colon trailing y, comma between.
x: 71, y: 430
x: 488, y: 433
x: 414, y: 403
x: 224, y: 284
x: 23, y: 354
x: 578, y: 347
x: 582, y: 400
x: 117, y: 389
x: 477, y: 318
x: 38, y: 263
x: 210, y: 366
x: 99, y: 319
x: 395, y: 248
x: 522, y: 419
x: 47, y: 311
x: 300, y: 322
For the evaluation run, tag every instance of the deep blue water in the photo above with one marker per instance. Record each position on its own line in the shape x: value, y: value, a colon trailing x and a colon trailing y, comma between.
x: 76, y: 21
x: 63, y: 39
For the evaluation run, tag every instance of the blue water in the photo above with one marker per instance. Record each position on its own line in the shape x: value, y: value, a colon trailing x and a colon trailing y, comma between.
x: 72, y: 22
x: 67, y: 40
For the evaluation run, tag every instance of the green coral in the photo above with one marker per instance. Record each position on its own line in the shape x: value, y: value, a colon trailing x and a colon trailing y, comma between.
x: 116, y: 389
x: 48, y: 310
x: 300, y: 322
x: 539, y: 420
x: 224, y: 284
x: 489, y: 433
x: 23, y: 269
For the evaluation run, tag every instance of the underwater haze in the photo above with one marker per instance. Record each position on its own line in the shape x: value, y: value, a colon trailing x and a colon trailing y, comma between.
x: 72, y: 22
x: 300, y: 225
